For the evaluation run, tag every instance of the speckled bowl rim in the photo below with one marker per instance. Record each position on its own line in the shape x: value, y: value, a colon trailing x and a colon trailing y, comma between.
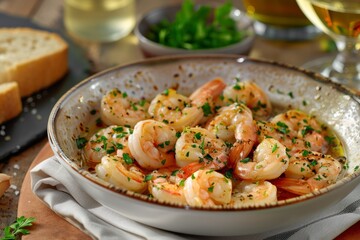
x: 244, y: 42
x: 140, y: 197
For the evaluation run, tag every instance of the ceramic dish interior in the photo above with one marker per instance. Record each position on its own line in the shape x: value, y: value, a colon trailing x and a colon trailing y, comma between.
x: 151, y: 48
x: 339, y: 108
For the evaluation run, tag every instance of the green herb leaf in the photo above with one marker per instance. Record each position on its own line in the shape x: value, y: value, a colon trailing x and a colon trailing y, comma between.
x: 203, y: 27
x: 127, y: 158
x: 17, y: 228
x: 148, y: 178
x: 197, y: 135
x: 274, y: 148
x: 282, y: 127
x: 245, y: 160
x: 305, y: 153
x: 81, y: 142
x: 206, y: 109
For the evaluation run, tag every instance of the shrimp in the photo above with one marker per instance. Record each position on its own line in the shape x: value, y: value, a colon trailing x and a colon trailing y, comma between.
x: 206, y: 96
x: 120, y: 109
x: 207, y: 188
x: 152, y: 144
x: 249, y: 193
x: 162, y: 186
x: 107, y: 141
x: 269, y: 162
x: 235, y: 123
x: 309, y: 171
x: 174, y: 109
x: 276, y: 131
x: 251, y: 95
x: 122, y: 172
x: 302, y: 129
x: 179, y: 111
x: 199, y: 145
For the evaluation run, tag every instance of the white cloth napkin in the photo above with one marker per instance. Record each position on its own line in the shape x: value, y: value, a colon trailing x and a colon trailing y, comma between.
x: 55, y: 187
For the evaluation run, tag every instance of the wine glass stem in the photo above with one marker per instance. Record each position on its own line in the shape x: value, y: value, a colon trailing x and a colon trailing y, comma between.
x: 346, y: 65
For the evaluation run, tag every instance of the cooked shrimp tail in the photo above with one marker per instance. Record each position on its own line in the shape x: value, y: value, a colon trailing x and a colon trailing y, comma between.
x: 249, y: 193
x: 208, y: 91
x: 122, y: 172
x: 207, y: 188
x: 163, y: 188
x: 269, y: 162
x: 152, y: 144
x: 120, y: 109
x: 296, y: 186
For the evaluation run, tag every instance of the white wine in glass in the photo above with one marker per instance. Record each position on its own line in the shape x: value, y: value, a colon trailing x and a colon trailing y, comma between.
x: 280, y: 20
x: 341, y: 21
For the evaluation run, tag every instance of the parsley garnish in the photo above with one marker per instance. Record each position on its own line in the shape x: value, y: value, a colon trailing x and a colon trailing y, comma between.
x: 206, y: 109
x: 182, y: 183
x: 274, y: 148
x: 307, y: 129
x: 313, y: 163
x: 305, y: 153
x: 17, y: 228
x: 330, y: 140
x: 228, y: 174
x: 81, y: 142
x: 282, y: 127
x: 197, y: 135
x: 173, y: 173
x: 211, y: 188
x: 127, y: 158
x: 245, y: 160
x: 166, y: 92
x: 237, y: 87
x: 148, y: 178
x: 198, y: 28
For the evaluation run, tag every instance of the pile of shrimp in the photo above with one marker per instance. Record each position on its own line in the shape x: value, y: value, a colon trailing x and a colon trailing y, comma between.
x: 220, y: 146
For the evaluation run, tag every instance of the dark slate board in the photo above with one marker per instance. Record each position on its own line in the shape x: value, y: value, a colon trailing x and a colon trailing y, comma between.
x: 30, y: 126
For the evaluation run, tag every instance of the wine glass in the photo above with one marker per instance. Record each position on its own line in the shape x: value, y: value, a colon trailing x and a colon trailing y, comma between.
x: 340, y: 19
x: 280, y: 20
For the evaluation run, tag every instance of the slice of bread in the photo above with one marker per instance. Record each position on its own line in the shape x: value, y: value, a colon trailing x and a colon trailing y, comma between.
x: 10, y: 101
x: 33, y: 58
x: 4, y: 183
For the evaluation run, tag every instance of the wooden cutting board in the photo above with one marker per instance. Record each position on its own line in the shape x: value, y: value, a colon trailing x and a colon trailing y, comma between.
x: 48, y: 225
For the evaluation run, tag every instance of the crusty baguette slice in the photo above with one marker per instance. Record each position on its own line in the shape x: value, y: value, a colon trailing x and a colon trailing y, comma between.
x: 34, y: 59
x: 10, y: 101
x: 4, y: 183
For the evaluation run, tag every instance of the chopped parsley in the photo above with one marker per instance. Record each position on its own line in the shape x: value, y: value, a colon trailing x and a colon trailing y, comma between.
x: 245, y: 160
x: 127, y: 158
x: 305, y: 153
x: 274, y: 148
x: 81, y: 142
x: 148, y: 178
x: 282, y: 127
x: 206, y: 109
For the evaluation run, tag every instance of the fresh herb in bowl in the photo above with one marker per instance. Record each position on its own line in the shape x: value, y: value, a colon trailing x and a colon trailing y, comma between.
x: 201, y: 27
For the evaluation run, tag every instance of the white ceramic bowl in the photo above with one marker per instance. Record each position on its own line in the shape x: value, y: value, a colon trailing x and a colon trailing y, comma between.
x: 332, y: 104
x: 151, y: 48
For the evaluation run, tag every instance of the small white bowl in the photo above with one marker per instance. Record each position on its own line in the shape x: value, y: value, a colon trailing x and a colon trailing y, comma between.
x: 151, y: 48
x: 333, y: 105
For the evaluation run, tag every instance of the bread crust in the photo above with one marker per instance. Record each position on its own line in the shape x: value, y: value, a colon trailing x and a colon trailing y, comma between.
x: 37, y: 72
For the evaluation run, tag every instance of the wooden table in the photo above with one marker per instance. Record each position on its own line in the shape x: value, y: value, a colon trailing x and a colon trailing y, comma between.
x: 49, y: 13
